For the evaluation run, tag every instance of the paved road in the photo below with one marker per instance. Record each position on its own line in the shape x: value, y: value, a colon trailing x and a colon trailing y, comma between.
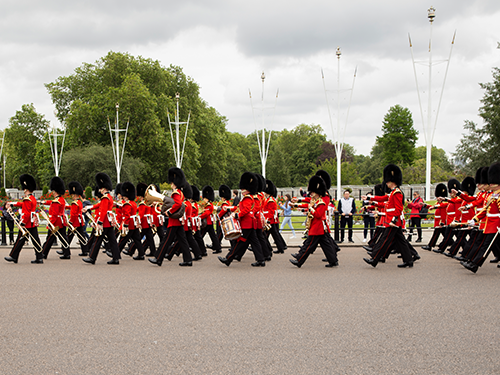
x: 67, y: 317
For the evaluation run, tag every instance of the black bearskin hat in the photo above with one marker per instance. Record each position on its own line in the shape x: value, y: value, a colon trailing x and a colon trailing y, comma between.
x: 317, y: 185
x: 225, y: 192
x: 127, y: 190
x: 187, y: 191
x: 478, y: 176
x: 392, y: 173
x: 57, y: 185
x: 97, y: 193
x: 326, y: 177
x: 484, y: 176
x: 261, y: 182
x: 453, y: 183
x: 118, y: 189
x: 176, y: 176
x: 270, y: 188
x: 494, y: 174
x: 379, y: 190
x: 249, y: 181
x: 196, y: 193
x: 469, y: 185
x: 103, y: 181
x: 75, y: 188
x: 275, y: 191
x: 208, y: 192
x: 441, y: 191
x: 27, y: 182
x: 141, y: 189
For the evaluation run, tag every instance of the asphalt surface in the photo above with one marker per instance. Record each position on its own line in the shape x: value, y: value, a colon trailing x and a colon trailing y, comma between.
x: 68, y: 317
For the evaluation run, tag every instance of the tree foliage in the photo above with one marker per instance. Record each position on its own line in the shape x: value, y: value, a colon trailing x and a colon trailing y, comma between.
x: 480, y: 145
x: 398, y: 137
x: 146, y: 93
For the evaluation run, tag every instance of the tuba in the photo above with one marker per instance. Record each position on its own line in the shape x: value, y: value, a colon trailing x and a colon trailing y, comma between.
x: 152, y: 196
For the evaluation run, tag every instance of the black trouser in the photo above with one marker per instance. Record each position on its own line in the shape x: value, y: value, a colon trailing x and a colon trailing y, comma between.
x: 173, y: 234
x: 18, y: 245
x: 378, y: 232
x: 392, y: 237
x: 195, y: 249
x: 248, y: 237
x: 415, y: 222
x: 160, y: 231
x: 469, y: 245
x: 311, y: 243
x: 489, y: 243
x: 51, y: 237
x: 135, y: 236
x: 461, y: 240
x: 109, y: 233
x: 10, y: 224
x: 211, y: 232
x: 267, y: 250
x: 449, y: 232
x: 369, y: 223
x: 435, y: 236
x: 278, y: 240
x: 84, y: 247
x: 200, y: 242
x: 345, y: 219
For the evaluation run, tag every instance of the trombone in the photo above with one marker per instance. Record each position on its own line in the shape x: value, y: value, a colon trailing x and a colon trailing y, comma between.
x: 24, y: 232
x: 72, y: 229
x: 98, y: 231
x: 53, y: 229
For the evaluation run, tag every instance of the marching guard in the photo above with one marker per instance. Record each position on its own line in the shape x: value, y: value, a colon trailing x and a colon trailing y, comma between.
x: 28, y: 223
x: 104, y: 219
x: 76, y: 217
x: 57, y: 219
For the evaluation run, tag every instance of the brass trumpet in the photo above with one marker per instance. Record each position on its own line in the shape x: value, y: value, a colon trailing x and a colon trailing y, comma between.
x: 53, y: 229
x: 24, y: 231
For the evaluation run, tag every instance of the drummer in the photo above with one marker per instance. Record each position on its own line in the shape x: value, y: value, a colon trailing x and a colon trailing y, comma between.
x: 225, y: 209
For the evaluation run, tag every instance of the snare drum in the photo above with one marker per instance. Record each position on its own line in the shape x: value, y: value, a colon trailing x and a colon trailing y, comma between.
x: 231, y: 228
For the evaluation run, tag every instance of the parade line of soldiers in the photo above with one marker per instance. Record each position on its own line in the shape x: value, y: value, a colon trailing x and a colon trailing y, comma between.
x: 127, y: 223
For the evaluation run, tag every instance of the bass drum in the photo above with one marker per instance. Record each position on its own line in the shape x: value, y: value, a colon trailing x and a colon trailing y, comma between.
x: 231, y: 228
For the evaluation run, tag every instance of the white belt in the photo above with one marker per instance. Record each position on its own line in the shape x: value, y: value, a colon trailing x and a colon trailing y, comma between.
x: 437, y: 217
x: 390, y: 209
x: 493, y: 215
x: 465, y: 212
x: 381, y: 213
x: 450, y: 213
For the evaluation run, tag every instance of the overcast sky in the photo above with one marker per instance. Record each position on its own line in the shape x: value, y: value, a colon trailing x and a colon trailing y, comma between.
x: 224, y: 45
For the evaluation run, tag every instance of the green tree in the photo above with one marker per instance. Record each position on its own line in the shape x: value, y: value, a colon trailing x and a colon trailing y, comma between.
x: 480, y: 145
x: 24, y: 137
x: 398, y: 137
x: 145, y: 92
x: 83, y: 163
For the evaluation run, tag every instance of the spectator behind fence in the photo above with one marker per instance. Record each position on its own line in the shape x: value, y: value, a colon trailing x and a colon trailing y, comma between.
x: 346, y: 208
x: 368, y: 219
x: 10, y: 221
x: 415, y: 219
x: 287, y: 214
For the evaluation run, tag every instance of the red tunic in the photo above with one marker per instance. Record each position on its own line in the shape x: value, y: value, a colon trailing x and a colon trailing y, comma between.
x: 317, y: 227
x: 178, y: 198
x: 394, y: 209
x: 102, y: 209
x: 143, y: 214
x: 271, y: 210
x: 188, y: 213
x: 28, y: 211
x: 129, y: 215
x: 246, y: 213
x: 56, y: 211
x: 492, y: 214
x: 207, y: 213
x: 75, y: 213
